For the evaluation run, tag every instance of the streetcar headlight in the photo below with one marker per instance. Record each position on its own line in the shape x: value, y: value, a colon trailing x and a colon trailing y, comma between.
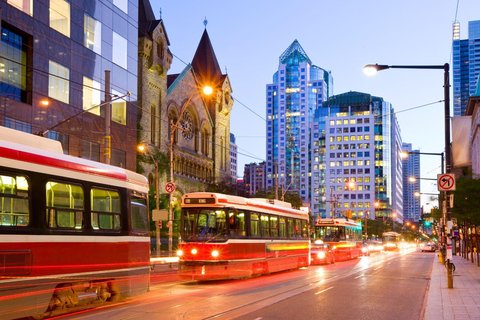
x: 179, y: 253
x: 214, y: 253
x: 194, y: 251
x: 321, y: 255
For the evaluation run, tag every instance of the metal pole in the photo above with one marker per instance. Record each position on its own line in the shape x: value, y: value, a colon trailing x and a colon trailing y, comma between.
x: 448, y: 155
x: 108, y: 115
x: 170, y: 206
x: 157, y: 205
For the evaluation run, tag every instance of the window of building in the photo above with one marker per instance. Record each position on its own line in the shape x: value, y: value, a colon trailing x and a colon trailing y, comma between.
x: 60, y: 16
x: 24, y: 5
x: 121, y: 4
x: 13, y: 70
x: 90, y: 150
x: 119, y: 109
x: 91, y: 95
x: 118, y: 158
x: 58, y: 82
x: 92, y: 34
x: 119, y: 50
x: 63, y: 138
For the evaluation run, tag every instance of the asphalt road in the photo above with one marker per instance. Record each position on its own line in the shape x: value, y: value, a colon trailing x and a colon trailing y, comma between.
x: 389, y: 285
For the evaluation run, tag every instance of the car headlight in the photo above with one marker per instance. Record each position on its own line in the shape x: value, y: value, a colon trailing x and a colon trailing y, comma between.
x: 179, y: 253
x: 214, y: 253
x: 321, y: 255
x: 364, y: 250
x: 194, y: 251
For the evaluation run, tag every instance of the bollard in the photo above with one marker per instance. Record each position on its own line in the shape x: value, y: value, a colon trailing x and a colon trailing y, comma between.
x: 440, y: 256
x: 449, y: 275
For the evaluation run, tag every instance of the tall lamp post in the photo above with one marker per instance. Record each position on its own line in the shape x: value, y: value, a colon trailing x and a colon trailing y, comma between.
x: 143, y: 149
x: 173, y: 126
x: 372, y: 69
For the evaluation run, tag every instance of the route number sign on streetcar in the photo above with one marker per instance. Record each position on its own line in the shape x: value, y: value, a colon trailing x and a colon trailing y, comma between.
x: 446, y: 182
x: 170, y: 187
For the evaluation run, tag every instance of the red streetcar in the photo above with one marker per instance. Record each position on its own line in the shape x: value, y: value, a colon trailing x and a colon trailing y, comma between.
x: 226, y: 237
x: 73, y: 232
x: 344, y: 235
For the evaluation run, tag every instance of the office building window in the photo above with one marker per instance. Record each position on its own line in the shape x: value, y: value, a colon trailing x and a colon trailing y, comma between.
x: 119, y: 109
x: 91, y: 95
x: 92, y: 34
x: 90, y: 150
x: 121, y: 4
x: 63, y: 138
x: 24, y: 5
x: 60, y: 16
x: 13, y: 60
x: 119, y: 50
x: 58, y: 82
x: 18, y: 125
x: 119, y: 158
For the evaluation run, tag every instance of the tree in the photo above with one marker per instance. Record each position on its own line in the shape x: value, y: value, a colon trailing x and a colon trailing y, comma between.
x: 466, y: 201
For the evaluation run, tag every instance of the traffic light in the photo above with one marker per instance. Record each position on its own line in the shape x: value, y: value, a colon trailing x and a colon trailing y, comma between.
x: 426, y: 223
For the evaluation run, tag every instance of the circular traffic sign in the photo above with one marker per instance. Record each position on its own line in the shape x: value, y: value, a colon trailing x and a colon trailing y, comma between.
x: 170, y: 187
x: 446, y: 182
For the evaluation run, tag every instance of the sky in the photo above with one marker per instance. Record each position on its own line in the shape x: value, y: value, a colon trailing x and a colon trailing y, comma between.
x: 341, y: 36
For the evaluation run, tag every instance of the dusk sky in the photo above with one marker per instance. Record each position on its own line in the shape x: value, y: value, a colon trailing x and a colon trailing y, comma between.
x: 342, y: 36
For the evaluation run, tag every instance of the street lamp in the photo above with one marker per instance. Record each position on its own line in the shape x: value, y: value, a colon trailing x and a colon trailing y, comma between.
x: 206, y: 90
x: 143, y: 149
x: 372, y: 69
x: 394, y: 215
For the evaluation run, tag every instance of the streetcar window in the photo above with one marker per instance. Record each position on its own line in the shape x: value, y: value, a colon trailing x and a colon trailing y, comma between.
x: 65, y: 204
x: 201, y: 223
x: 105, y: 209
x: 291, y: 228
x: 236, y: 221
x: 304, y: 230
x: 254, y: 224
x: 274, y: 226
x: 139, y: 213
x: 282, y: 228
x: 298, y: 228
x: 265, y: 226
x: 14, y: 206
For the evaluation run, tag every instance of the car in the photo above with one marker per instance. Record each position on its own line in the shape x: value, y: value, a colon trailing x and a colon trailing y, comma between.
x: 365, y: 249
x: 375, y: 246
x: 321, y: 253
x: 430, y: 247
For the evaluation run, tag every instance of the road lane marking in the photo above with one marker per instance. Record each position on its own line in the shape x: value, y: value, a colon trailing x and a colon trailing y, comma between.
x: 377, y: 268
x: 323, y: 290
x: 259, y: 318
x: 359, y: 276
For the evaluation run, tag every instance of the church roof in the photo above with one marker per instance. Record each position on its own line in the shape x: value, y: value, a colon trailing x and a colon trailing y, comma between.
x: 294, y: 48
x: 147, y: 22
x: 205, y: 63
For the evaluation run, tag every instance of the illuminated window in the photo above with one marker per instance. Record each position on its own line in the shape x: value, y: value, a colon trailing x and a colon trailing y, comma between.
x: 119, y: 109
x: 91, y: 95
x: 352, y: 138
x: 338, y: 122
x: 24, y: 5
x: 92, y: 34
x: 60, y: 16
x: 367, y: 137
x: 332, y: 122
x: 345, y: 121
x: 332, y: 139
x: 119, y: 50
x: 332, y: 163
x: 65, y: 205
x: 360, y: 163
x: 345, y: 138
x: 367, y: 179
x: 14, y: 204
x: 345, y: 163
x: 352, y: 121
x: 339, y: 138
x: 359, y: 138
x: 58, y: 82
x: 105, y: 209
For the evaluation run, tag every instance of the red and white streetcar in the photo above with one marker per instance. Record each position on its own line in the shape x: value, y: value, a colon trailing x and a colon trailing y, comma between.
x: 73, y: 232
x: 226, y: 237
x: 344, y: 235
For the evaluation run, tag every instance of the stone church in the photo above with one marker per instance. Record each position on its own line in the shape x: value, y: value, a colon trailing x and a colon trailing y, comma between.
x: 201, y: 140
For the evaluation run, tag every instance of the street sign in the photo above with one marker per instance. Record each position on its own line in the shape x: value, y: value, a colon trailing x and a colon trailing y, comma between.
x: 446, y: 182
x: 159, y: 224
x: 159, y: 215
x: 170, y: 187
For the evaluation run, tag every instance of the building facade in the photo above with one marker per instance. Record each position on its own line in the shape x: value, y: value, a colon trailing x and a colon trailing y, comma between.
x: 57, y: 54
x: 298, y: 88
x: 411, y: 169
x: 254, y: 178
x: 233, y: 159
x: 360, y: 140
x: 466, y: 65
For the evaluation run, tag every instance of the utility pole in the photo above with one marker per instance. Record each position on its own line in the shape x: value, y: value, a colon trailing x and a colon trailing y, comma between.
x: 276, y: 178
x: 107, y: 151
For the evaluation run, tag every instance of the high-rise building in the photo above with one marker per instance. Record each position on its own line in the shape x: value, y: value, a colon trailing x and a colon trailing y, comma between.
x: 298, y: 88
x: 55, y: 54
x: 233, y: 158
x: 361, y: 152
x: 254, y: 178
x: 465, y: 66
x: 411, y: 183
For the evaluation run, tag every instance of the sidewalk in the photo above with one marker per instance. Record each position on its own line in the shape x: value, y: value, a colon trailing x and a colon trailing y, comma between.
x: 461, y: 302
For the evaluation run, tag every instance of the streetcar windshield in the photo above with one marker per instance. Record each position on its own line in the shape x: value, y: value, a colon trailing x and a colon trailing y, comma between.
x: 203, y: 224
x: 330, y: 234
